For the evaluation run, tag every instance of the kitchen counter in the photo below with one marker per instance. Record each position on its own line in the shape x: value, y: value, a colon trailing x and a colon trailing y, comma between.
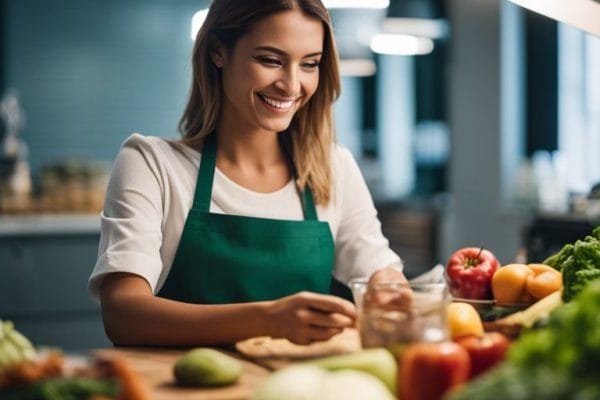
x: 49, y: 224
x: 155, y: 366
x: 45, y: 262
x: 259, y: 357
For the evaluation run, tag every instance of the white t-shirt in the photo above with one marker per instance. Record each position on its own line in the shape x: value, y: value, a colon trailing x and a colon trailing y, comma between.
x: 151, y: 190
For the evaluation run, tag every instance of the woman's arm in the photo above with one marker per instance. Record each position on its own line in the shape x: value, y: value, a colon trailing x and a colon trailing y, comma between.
x: 134, y: 316
x: 361, y: 247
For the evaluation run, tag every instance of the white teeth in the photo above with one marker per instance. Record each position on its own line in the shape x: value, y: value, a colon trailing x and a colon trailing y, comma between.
x: 277, y: 103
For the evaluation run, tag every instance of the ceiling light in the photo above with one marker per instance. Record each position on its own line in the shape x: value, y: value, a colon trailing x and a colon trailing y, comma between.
x: 357, y: 67
x: 424, y: 18
x: 401, y: 45
x: 583, y: 14
x: 375, y: 4
x: 429, y: 28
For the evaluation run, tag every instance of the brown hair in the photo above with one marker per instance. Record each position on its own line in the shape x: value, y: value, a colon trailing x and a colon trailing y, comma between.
x: 311, y: 129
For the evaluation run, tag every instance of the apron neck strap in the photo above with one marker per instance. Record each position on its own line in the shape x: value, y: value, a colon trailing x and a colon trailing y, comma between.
x: 206, y: 175
x: 308, y: 205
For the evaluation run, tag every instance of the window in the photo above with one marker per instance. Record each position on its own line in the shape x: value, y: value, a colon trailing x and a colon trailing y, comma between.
x: 579, y: 106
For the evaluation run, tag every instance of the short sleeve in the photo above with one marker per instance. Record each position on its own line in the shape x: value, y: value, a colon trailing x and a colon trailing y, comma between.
x: 361, y: 248
x: 131, y: 236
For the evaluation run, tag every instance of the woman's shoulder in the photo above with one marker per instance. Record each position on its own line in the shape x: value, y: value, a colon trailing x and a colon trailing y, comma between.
x: 158, y: 146
x: 146, y: 142
x: 341, y: 157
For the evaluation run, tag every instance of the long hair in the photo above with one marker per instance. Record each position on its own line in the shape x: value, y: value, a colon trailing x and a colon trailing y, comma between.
x: 311, y: 130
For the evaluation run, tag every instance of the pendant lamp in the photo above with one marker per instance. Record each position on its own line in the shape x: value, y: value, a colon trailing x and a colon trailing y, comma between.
x: 410, y: 27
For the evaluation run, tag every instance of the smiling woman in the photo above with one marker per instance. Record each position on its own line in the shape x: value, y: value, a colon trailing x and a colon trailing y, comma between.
x: 267, y: 79
x: 244, y: 226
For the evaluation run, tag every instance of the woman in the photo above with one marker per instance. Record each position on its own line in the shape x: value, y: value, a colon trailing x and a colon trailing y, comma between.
x: 274, y: 207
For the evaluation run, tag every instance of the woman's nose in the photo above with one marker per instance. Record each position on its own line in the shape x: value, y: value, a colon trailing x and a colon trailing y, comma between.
x: 290, y: 81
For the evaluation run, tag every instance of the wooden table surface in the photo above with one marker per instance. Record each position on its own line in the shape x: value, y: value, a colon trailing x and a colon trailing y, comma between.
x: 155, y: 366
x: 258, y: 357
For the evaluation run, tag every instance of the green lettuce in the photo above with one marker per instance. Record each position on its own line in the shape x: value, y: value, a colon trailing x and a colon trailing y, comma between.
x: 579, y: 263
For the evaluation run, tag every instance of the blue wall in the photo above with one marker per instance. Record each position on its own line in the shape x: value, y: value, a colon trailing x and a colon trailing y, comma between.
x: 90, y: 72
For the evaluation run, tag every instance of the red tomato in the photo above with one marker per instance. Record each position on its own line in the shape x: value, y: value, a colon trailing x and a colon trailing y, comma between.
x: 485, y: 351
x: 469, y: 271
x: 429, y: 370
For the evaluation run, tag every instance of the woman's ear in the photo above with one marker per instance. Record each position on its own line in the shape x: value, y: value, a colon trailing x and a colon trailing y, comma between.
x: 216, y: 54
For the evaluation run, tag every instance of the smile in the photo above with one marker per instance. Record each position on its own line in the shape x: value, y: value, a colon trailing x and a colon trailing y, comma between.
x: 278, y: 104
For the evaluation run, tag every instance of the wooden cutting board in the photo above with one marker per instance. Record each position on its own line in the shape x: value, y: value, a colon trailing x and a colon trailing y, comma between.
x: 278, y: 353
x: 156, y: 368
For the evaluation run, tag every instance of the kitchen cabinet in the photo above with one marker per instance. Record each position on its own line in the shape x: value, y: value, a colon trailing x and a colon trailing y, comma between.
x: 44, y: 267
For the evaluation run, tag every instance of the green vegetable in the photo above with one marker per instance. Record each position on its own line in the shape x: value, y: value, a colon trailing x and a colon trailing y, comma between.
x: 559, y: 361
x: 309, y: 382
x: 557, y: 260
x: 378, y: 362
x: 298, y: 382
x: 579, y: 263
x: 353, y: 385
x: 511, y: 382
x: 494, y: 313
x: 63, y: 389
x: 206, y: 367
x: 14, y: 347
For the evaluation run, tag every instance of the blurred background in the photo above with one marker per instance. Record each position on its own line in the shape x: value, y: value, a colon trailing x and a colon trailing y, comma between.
x: 475, y: 123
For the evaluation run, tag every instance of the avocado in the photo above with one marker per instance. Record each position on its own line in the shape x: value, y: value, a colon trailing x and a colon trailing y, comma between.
x: 206, y: 367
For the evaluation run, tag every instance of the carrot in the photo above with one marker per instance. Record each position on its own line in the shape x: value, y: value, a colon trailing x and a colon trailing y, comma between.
x: 132, y: 386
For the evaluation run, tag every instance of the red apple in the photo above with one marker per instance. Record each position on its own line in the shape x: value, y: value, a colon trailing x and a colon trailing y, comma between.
x: 429, y: 370
x: 469, y: 272
x: 484, y: 351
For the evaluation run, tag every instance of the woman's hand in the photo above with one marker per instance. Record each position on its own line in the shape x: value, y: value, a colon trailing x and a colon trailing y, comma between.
x: 388, y: 289
x: 307, y: 317
x: 388, y: 274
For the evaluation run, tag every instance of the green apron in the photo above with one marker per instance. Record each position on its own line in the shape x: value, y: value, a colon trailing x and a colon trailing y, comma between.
x: 230, y: 259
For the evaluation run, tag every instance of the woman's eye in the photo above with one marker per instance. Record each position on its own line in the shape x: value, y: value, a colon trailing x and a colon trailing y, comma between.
x: 269, y: 61
x: 311, y: 65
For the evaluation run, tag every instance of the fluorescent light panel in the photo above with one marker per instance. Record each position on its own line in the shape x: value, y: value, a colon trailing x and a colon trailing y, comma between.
x: 357, y: 67
x: 430, y: 28
x: 401, y: 45
x: 374, y: 4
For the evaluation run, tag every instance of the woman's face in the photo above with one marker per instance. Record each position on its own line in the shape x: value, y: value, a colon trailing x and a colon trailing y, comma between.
x: 271, y: 72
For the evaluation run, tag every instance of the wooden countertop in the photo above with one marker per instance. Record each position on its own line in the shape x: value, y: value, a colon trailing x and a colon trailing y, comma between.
x: 155, y: 366
x: 259, y: 357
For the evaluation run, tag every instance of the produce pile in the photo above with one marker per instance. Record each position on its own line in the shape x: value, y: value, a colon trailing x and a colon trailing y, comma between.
x: 29, y: 374
x: 558, y: 359
x: 474, y: 274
